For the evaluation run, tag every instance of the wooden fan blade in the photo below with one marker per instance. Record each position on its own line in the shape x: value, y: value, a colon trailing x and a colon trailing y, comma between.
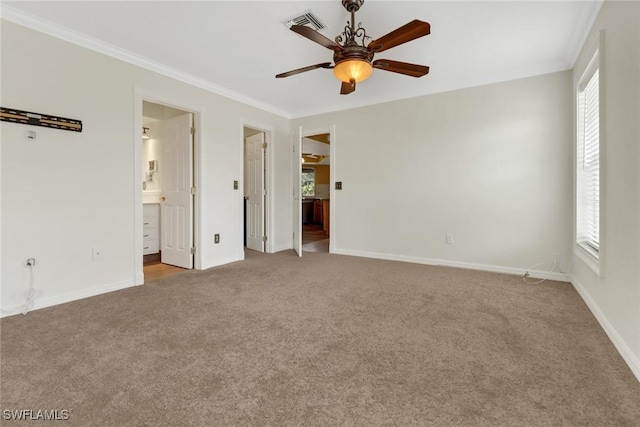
x: 411, y: 31
x: 315, y: 36
x: 405, y: 68
x: 347, y: 88
x: 302, y: 70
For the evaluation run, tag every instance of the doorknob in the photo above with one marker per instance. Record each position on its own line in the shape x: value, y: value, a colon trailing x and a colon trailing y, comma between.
x: 162, y: 199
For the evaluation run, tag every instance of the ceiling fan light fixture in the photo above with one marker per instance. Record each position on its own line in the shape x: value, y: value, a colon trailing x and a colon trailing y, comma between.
x: 353, y: 53
x: 353, y: 70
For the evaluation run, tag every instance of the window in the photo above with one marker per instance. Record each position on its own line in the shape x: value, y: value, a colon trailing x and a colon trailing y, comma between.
x: 308, y: 182
x: 588, y: 161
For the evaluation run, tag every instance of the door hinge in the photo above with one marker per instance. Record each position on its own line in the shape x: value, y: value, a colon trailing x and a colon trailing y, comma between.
x: 193, y: 130
x: 193, y: 250
x: 264, y: 238
x: 264, y: 145
x: 193, y: 191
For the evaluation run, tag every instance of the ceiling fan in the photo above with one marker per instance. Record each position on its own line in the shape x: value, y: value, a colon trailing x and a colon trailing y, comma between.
x: 353, y: 60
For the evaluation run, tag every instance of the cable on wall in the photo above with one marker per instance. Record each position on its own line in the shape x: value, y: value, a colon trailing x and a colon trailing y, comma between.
x: 554, y: 266
x: 31, y: 292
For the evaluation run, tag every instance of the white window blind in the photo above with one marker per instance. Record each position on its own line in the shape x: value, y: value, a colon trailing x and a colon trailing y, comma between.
x: 588, y: 161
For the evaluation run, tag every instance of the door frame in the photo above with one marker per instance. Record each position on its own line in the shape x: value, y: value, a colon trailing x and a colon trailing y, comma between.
x: 269, y: 227
x: 331, y: 130
x: 199, y: 118
x: 296, y: 190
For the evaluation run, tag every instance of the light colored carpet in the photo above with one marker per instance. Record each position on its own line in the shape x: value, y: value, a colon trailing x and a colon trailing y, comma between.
x: 320, y: 340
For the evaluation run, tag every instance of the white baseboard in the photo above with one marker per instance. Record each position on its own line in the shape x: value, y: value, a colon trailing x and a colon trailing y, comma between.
x: 139, y: 278
x: 86, y: 293
x: 67, y: 297
x: 536, y: 274
x: 281, y: 248
x: 224, y: 260
x: 631, y: 359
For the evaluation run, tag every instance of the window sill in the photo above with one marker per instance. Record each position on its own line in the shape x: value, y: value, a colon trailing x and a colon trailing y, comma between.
x: 590, y: 258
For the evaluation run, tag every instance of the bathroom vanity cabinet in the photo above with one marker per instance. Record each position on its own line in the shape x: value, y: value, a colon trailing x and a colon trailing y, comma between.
x: 151, y: 228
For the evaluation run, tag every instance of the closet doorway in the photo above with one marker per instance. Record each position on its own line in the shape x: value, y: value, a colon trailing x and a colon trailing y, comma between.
x: 256, y: 188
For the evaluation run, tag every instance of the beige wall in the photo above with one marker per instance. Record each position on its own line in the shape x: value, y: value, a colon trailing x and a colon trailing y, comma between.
x: 490, y: 165
x: 66, y: 193
x: 614, y: 295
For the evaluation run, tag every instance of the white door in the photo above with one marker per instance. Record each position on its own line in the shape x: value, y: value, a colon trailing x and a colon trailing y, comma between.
x: 254, y: 162
x: 176, y: 166
x: 296, y: 182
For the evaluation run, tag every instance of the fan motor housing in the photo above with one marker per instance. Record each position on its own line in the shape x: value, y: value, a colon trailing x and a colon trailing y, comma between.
x: 353, y: 52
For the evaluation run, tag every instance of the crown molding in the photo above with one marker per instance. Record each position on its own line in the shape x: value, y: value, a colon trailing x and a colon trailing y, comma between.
x: 28, y: 20
x: 581, y: 34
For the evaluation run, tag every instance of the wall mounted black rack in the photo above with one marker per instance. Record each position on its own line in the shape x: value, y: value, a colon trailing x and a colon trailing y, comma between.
x: 37, y: 119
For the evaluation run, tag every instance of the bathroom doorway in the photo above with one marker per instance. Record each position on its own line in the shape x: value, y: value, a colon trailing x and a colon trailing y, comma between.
x: 167, y: 190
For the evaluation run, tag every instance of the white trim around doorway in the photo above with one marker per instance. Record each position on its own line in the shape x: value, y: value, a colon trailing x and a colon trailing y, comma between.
x: 199, y: 118
x: 269, y: 185
x: 331, y: 130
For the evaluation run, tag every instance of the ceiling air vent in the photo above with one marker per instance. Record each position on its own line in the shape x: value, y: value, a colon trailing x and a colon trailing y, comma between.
x: 308, y: 19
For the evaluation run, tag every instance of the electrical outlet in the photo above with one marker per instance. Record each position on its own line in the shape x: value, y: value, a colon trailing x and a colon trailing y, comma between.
x: 449, y: 239
x: 31, y: 262
x: 216, y: 238
x: 338, y: 185
x: 235, y: 185
x: 96, y: 253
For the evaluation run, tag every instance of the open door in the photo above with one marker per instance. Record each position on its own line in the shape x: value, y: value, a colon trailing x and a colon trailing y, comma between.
x: 176, y: 213
x: 296, y: 165
x: 254, y: 158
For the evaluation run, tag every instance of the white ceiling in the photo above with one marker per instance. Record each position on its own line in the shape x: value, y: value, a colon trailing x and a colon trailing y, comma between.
x: 237, y: 47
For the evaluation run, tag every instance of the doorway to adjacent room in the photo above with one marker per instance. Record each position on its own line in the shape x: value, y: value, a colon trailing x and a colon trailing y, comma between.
x: 315, y: 192
x: 168, y: 190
